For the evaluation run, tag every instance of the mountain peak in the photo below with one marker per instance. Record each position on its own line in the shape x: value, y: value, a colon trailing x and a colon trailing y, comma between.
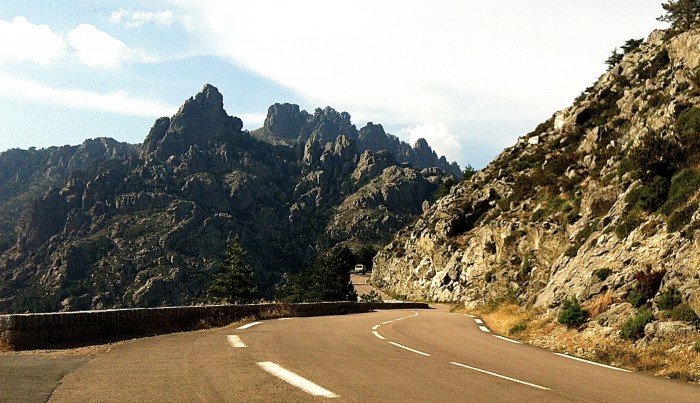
x: 200, y: 119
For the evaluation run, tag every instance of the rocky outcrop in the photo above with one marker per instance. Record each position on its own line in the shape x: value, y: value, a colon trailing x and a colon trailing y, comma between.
x: 286, y: 124
x: 593, y: 203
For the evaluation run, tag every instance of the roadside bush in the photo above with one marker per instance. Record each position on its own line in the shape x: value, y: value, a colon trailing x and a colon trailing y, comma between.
x: 633, y: 328
x: 373, y: 296
x: 669, y: 298
x: 572, y: 314
x: 517, y: 328
x: 696, y: 347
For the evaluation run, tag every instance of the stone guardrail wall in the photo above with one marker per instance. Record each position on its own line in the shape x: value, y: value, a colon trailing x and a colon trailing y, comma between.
x: 70, y: 329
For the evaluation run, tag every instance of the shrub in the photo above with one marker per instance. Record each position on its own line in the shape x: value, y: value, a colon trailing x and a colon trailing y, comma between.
x: 696, y: 346
x: 651, y: 196
x: 688, y: 122
x: 572, y: 314
x: 683, y: 185
x: 373, y: 296
x: 517, y: 328
x: 679, y: 219
x: 627, y: 225
x: 669, y: 298
x: 603, y: 273
x: 633, y: 328
x: 635, y: 298
x: 648, y: 283
x: 685, y: 313
x: 658, y: 156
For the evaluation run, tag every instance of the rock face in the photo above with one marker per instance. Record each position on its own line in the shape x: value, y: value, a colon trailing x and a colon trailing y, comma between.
x: 106, y: 225
x: 286, y: 124
x: 597, y: 200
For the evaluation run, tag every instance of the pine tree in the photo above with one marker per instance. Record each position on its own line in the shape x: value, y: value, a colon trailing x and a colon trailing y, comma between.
x: 327, y: 280
x: 682, y: 14
x: 235, y: 282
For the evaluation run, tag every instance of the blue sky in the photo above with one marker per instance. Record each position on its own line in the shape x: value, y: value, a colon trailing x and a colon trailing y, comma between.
x: 470, y: 76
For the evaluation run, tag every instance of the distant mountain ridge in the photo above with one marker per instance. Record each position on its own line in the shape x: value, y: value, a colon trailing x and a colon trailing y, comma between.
x: 288, y: 125
x: 107, y: 224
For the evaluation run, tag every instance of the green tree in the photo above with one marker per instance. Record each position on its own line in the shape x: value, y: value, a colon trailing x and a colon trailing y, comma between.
x: 235, y: 281
x: 468, y: 172
x: 614, y: 59
x: 327, y: 280
x: 683, y: 15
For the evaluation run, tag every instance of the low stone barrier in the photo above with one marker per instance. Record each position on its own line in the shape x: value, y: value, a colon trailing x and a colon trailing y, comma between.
x: 68, y: 329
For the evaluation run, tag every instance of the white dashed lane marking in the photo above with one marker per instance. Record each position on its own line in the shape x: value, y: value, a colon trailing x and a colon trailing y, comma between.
x: 235, y: 341
x: 484, y: 329
x: 296, y: 380
x: 249, y: 325
x: 500, y: 376
x: 409, y: 349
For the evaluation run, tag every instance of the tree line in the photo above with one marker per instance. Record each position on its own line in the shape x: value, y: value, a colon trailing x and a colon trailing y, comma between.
x: 327, y: 280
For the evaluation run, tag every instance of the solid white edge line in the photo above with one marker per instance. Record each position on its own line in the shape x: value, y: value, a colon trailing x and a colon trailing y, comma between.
x: 249, y: 325
x: 591, y: 362
x: 285, y: 318
x: 379, y: 336
x: 479, y: 321
x: 409, y: 349
x: 500, y: 376
x: 296, y: 380
x: 235, y: 341
x: 375, y: 327
x: 484, y: 329
x: 507, y: 339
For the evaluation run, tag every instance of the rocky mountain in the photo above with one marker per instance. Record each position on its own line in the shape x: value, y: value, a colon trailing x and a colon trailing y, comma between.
x: 600, y: 202
x: 286, y: 124
x: 107, y: 225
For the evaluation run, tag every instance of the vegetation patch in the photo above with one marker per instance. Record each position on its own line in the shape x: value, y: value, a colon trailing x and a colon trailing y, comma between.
x: 685, y: 313
x: 572, y: 314
x: 627, y: 224
x: 633, y: 328
x: 657, y: 357
x: 602, y: 273
x: 683, y: 185
x: 669, y: 298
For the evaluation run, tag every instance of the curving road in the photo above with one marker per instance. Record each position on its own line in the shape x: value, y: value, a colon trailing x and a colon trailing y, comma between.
x: 384, y: 356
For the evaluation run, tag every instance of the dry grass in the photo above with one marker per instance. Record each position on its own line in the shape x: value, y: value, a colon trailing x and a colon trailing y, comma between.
x: 674, y: 359
x: 600, y: 304
x: 4, y: 347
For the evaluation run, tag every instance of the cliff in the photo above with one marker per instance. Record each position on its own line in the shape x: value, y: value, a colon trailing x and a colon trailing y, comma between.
x: 599, y: 202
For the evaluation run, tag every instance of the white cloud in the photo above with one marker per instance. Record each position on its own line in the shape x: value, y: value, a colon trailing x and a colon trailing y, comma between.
x: 439, y: 136
x: 97, y: 48
x: 134, y: 19
x: 416, y: 61
x: 23, y: 41
x: 114, y: 102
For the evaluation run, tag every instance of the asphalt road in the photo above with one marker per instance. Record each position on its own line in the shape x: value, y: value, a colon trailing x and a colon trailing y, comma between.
x: 360, y: 282
x: 385, y: 356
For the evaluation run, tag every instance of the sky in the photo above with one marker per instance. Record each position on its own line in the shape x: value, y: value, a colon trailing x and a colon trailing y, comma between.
x: 470, y: 76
